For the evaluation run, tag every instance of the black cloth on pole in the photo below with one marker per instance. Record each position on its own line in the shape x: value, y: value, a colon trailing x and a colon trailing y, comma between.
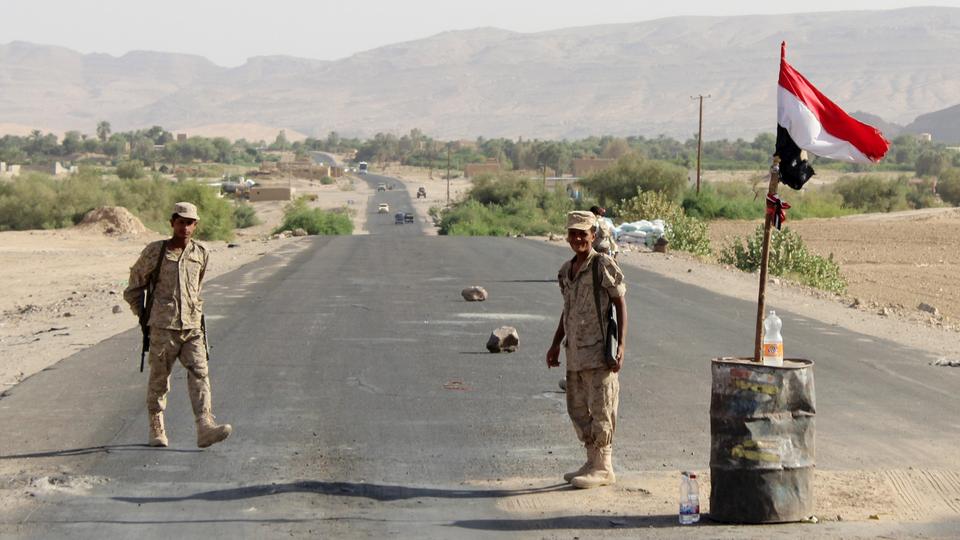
x: 794, y: 171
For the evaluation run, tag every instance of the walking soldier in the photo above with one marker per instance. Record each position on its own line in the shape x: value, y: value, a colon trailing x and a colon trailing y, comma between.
x: 164, y: 291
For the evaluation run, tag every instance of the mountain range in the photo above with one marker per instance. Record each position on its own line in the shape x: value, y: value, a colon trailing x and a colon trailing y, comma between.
x: 623, y: 79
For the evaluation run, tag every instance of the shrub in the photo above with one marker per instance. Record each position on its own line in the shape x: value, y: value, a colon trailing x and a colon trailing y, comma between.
x: 727, y: 200
x: 632, y: 173
x: 216, y: 214
x: 507, y: 204
x: 129, y: 170
x: 326, y: 180
x: 297, y: 215
x: 873, y: 194
x: 948, y: 186
x: 685, y: 233
x: 789, y: 257
x: 245, y: 216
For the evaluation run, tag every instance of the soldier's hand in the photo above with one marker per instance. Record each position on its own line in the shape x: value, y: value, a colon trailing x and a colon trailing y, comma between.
x: 553, y: 356
x: 619, y: 366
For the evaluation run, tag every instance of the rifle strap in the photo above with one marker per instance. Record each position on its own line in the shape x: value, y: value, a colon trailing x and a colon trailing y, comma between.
x: 152, y: 283
x: 595, y: 270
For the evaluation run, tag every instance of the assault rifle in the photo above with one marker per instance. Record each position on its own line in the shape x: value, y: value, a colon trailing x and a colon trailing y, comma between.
x: 147, y: 305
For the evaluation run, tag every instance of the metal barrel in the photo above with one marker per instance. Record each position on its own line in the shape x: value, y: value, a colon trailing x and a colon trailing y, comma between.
x: 762, y: 450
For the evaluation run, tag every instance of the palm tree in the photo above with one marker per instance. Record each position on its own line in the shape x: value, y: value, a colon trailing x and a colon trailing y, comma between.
x: 103, y: 130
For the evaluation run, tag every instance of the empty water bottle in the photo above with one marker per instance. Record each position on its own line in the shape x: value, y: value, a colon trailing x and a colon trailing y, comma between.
x: 689, y: 499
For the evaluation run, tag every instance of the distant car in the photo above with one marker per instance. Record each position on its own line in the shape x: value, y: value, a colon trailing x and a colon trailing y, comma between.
x: 381, y: 187
x: 398, y: 218
x: 383, y: 208
x: 408, y: 217
x: 422, y: 192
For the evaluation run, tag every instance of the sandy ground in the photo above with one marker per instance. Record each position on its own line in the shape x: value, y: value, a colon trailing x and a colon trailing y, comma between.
x: 892, y: 262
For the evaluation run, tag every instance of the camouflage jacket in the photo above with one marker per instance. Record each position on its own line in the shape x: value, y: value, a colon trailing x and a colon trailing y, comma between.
x: 584, y: 335
x: 177, y: 304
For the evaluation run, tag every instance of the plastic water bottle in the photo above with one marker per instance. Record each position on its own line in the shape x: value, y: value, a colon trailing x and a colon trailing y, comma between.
x: 689, y: 499
x: 772, y: 340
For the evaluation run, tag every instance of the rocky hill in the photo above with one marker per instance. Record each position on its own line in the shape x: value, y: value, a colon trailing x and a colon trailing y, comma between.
x: 634, y: 78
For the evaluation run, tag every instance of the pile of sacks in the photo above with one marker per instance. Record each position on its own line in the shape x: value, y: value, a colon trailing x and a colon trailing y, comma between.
x: 640, y: 232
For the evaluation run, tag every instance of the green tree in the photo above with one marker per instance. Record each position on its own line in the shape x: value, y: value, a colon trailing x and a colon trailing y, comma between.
x: 948, y: 186
x: 103, y: 130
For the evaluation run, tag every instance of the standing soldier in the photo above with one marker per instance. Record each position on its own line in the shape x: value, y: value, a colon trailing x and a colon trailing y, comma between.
x: 593, y: 386
x: 173, y: 270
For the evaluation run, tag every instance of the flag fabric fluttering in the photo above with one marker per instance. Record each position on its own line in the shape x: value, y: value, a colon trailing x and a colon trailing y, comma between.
x: 808, y: 120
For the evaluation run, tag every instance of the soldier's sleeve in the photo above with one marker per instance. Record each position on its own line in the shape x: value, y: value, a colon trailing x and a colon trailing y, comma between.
x: 612, y: 277
x: 139, y: 277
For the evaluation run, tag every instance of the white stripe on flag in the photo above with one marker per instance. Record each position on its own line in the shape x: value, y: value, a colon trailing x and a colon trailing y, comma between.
x: 807, y: 132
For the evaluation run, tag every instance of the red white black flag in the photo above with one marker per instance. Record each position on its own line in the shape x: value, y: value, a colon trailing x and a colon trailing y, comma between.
x: 808, y: 120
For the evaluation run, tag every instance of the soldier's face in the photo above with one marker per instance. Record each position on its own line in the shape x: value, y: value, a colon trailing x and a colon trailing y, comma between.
x: 183, y: 228
x: 580, y: 240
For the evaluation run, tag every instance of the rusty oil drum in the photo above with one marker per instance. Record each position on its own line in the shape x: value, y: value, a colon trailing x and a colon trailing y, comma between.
x: 761, y: 441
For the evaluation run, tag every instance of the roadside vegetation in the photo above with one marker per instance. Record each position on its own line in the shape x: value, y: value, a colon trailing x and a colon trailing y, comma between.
x: 298, y: 215
x: 789, y: 257
x: 507, y: 205
x: 38, y: 201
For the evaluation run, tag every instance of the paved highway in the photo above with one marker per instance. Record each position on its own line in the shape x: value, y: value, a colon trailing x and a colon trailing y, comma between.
x: 365, y: 404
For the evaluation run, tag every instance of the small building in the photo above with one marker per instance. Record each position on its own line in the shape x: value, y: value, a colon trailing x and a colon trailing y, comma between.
x: 584, y: 167
x: 264, y: 193
x: 471, y: 170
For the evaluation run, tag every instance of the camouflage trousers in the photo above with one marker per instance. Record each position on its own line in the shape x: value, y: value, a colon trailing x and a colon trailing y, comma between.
x: 189, y: 346
x: 592, y: 399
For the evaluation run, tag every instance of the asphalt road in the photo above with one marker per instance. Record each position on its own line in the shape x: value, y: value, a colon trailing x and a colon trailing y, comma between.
x: 365, y: 404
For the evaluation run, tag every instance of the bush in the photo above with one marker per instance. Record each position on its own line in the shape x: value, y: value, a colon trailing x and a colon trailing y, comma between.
x: 216, y: 214
x: 789, y: 257
x: 685, y: 233
x: 326, y: 180
x: 507, y: 204
x: 129, y: 170
x: 948, y: 186
x: 727, y: 200
x: 245, y: 216
x: 297, y: 215
x: 873, y: 194
x: 632, y: 173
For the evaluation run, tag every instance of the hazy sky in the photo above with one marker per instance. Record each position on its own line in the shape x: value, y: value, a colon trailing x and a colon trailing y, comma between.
x: 228, y: 32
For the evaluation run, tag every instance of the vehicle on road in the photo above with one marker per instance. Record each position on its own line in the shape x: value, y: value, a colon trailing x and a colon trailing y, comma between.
x: 383, y: 208
x: 408, y: 217
x: 398, y: 218
x: 381, y: 186
x: 362, y: 167
x: 422, y: 192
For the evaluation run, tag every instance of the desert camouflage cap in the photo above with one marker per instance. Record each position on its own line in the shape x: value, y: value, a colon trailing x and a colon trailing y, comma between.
x: 186, y: 210
x: 581, y: 220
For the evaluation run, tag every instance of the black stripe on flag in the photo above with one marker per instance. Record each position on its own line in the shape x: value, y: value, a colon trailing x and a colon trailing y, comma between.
x: 794, y: 171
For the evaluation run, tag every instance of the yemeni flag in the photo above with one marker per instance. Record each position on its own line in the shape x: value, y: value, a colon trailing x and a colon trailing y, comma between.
x: 808, y: 120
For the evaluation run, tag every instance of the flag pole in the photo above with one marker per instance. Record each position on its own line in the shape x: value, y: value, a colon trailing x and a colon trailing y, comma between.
x: 764, y: 258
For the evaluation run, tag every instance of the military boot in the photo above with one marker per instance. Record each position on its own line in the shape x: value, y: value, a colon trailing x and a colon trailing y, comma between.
x: 586, y: 467
x: 158, y: 436
x: 210, y: 432
x: 602, y: 472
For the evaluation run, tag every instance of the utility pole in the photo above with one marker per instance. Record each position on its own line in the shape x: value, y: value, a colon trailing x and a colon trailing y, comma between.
x: 699, y: 137
x: 448, y: 174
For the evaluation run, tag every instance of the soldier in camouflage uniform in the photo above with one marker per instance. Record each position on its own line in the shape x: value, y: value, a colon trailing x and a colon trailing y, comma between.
x: 175, y: 323
x: 593, y: 388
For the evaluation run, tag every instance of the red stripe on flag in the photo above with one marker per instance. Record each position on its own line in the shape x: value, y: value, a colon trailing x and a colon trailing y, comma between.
x: 834, y: 120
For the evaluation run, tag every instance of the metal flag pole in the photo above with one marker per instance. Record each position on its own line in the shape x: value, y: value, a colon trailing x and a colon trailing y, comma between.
x: 764, y: 258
